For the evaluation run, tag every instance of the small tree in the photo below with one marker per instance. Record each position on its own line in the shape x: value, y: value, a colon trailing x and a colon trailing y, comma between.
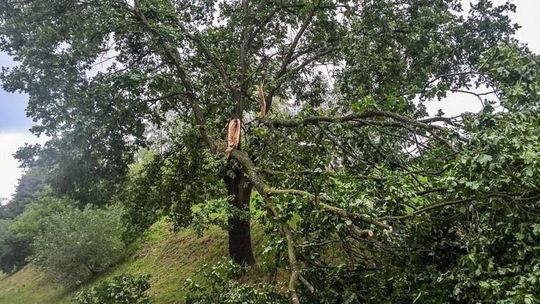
x: 77, y: 244
x: 13, y: 250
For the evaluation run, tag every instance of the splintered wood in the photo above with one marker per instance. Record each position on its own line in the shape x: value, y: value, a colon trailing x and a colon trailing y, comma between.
x: 262, y: 99
x: 233, y: 136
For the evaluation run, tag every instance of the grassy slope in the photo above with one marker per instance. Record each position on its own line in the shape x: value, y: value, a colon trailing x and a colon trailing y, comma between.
x: 29, y: 286
x: 168, y: 257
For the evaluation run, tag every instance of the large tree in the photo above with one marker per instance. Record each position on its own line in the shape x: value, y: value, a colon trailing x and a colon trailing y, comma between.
x: 335, y: 138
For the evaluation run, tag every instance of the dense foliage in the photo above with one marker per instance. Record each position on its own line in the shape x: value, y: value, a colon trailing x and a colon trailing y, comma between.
x: 35, y: 218
x: 218, y: 285
x: 13, y: 250
x: 23, y: 229
x: 365, y: 196
x: 76, y: 244
x: 122, y: 289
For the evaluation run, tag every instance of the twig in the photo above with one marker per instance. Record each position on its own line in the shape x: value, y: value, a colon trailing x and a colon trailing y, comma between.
x: 435, y: 206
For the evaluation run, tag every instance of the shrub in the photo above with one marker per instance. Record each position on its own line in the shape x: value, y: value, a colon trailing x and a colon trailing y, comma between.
x: 77, y: 244
x: 17, y: 235
x: 122, y: 289
x: 13, y: 250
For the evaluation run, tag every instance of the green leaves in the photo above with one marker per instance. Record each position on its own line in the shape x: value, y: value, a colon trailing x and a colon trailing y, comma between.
x: 515, y: 72
x: 13, y: 249
x: 218, y: 285
x: 484, y: 159
x: 77, y: 244
x: 121, y: 289
x: 458, y: 190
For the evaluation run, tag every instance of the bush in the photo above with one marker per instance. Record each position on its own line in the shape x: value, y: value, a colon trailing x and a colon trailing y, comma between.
x: 122, y: 289
x: 77, y: 244
x: 17, y: 235
x: 13, y: 250
x: 219, y: 286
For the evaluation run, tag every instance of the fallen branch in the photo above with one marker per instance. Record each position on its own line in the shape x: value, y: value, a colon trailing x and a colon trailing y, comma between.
x: 307, y: 284
x: 266, y: 192
x: 419, y: 211
x: 336, y: 210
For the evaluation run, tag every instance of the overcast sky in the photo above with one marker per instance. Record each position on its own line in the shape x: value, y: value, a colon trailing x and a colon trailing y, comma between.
x: 14, y: 124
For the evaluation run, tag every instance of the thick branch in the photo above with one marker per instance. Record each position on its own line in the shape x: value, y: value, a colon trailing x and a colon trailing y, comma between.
x: 336, y: 210
x: 320, y: 172
x: 258, y: 184
x: 307, y: 284
x: 315, y: 120
x: 266, y: 192
x: 360, y: 119
x: 354, y: 216
x: 173, y: 56
x: 295, y: 274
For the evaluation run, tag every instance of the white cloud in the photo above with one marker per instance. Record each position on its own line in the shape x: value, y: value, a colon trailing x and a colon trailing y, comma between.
x: 9, y: 166
x: 526, y: 16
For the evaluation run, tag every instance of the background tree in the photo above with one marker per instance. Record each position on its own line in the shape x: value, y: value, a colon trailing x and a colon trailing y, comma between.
x: 13, y: 250
x: 35, y: 218
x: 28, y: 188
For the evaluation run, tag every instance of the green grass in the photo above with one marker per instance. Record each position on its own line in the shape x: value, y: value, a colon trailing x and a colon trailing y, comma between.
x: 30, y: 286
x: 168, y: 257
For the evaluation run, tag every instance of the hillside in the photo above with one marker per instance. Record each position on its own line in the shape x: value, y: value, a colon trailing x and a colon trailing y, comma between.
x: 168, y: 257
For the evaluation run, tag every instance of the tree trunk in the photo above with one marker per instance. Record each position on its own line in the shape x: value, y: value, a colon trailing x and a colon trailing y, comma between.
x: 239, y: 190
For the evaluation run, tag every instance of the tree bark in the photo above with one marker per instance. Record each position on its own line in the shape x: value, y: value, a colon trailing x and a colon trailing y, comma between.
x: 239, y: 189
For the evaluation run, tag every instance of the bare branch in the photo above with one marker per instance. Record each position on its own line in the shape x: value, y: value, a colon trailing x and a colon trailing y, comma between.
x: 287, y: 59
x: 307, y: 284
